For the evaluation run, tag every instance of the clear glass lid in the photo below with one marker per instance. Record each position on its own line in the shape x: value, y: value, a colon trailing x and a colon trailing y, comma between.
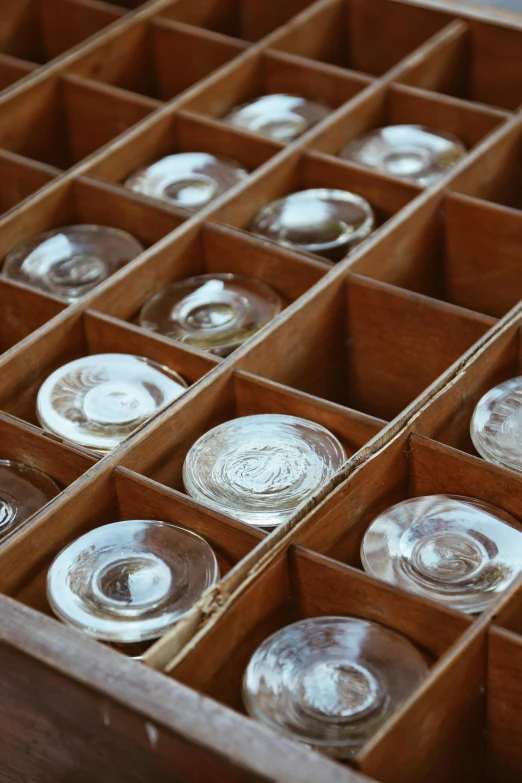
x: 411, y: 152
x: 130, y: 581
x: 260, y: 468
x: 23, y: 492
x: 189, y: 179
x: 98, y: 401
x: 212, y: 312
x: 278, y: 116
x: 69, y: 262
x: 458, y: 551
x: 496, y: 425
x: 331, y: 682
x: 323, y: 221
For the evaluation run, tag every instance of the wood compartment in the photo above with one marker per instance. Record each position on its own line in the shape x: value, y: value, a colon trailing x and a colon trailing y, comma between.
x: 84, y: 201
x: 101, y: 500
x: 504, y: 704
x: 26, y: 444
x: 448, y: 417
x: 158, y: 58
x: 23, y: 311
x: 178, y: 132
x: 81, y: 335
x: 497, y: 173
x: 412, y: 466
x: 456, y: 248
x: 210, y: 250
x: 390, y: 349
x: 399, y: 105
x: 276, y: 72
x: 20, y: 178
x: 13, y: 69
x: 315, y: 170
x: 74, y: 116
x: 365, y: 344
x: 295, y: 585
x: 250, y: 20
x: 480, y: 64
x: 145, y: 726
x: 356, y: 33
x: 465, y: 724
x: 163, y: 452
x: 39, y: 30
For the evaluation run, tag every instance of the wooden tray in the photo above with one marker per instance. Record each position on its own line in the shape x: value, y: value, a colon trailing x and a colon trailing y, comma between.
x: 390, y: 349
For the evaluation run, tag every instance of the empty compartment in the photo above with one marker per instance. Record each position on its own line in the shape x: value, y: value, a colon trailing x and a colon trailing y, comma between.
x: 38, y: 30
x: 157, y: 58
x: 367, y: 345
x: 478, y: 63
x: 12, y: 70
x: 20, y: 178
x: 74, y: 118
x: 22, y: 312
x: 496, y: 174
x: 356, y: 33
x: 247, y: 19
x: 459, y: 249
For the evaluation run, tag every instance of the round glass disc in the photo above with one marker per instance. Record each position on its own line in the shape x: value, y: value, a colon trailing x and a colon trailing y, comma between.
x: 331, y: 682
x: 280, y: 117
x: 130, y: 581
x: 23, y: 492
x: 260, y: 468
x: 69, y: 262
x: 411, y: 152
x: 212, y: 312
x: 458, y: 551
x: 496, y: 425
x: 98, y: 401
x: 323, y: 221
x: 189, y: 179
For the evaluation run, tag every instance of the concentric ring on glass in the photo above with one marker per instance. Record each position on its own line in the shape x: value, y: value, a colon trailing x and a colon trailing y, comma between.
x: 459, y: 551
x: 69, y: 262
x: 409, y: 152
x: 130, y: 581
x: 496, y: 425
x: 331, y: 682
x: 23, y: 491
x: 323, y: 221
x: 215, y: 313
x: 278, y: 116
x: 190, y: 180
x: 97, y: 401
x: 260, y: 468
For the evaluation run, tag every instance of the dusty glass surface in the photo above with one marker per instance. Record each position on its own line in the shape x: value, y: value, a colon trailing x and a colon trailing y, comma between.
x: 458, y: 551
x: 212, y: 312
x: 69, y: 262
x: 331, y: 682
x: 129, y: 581
x: 260, y: 468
